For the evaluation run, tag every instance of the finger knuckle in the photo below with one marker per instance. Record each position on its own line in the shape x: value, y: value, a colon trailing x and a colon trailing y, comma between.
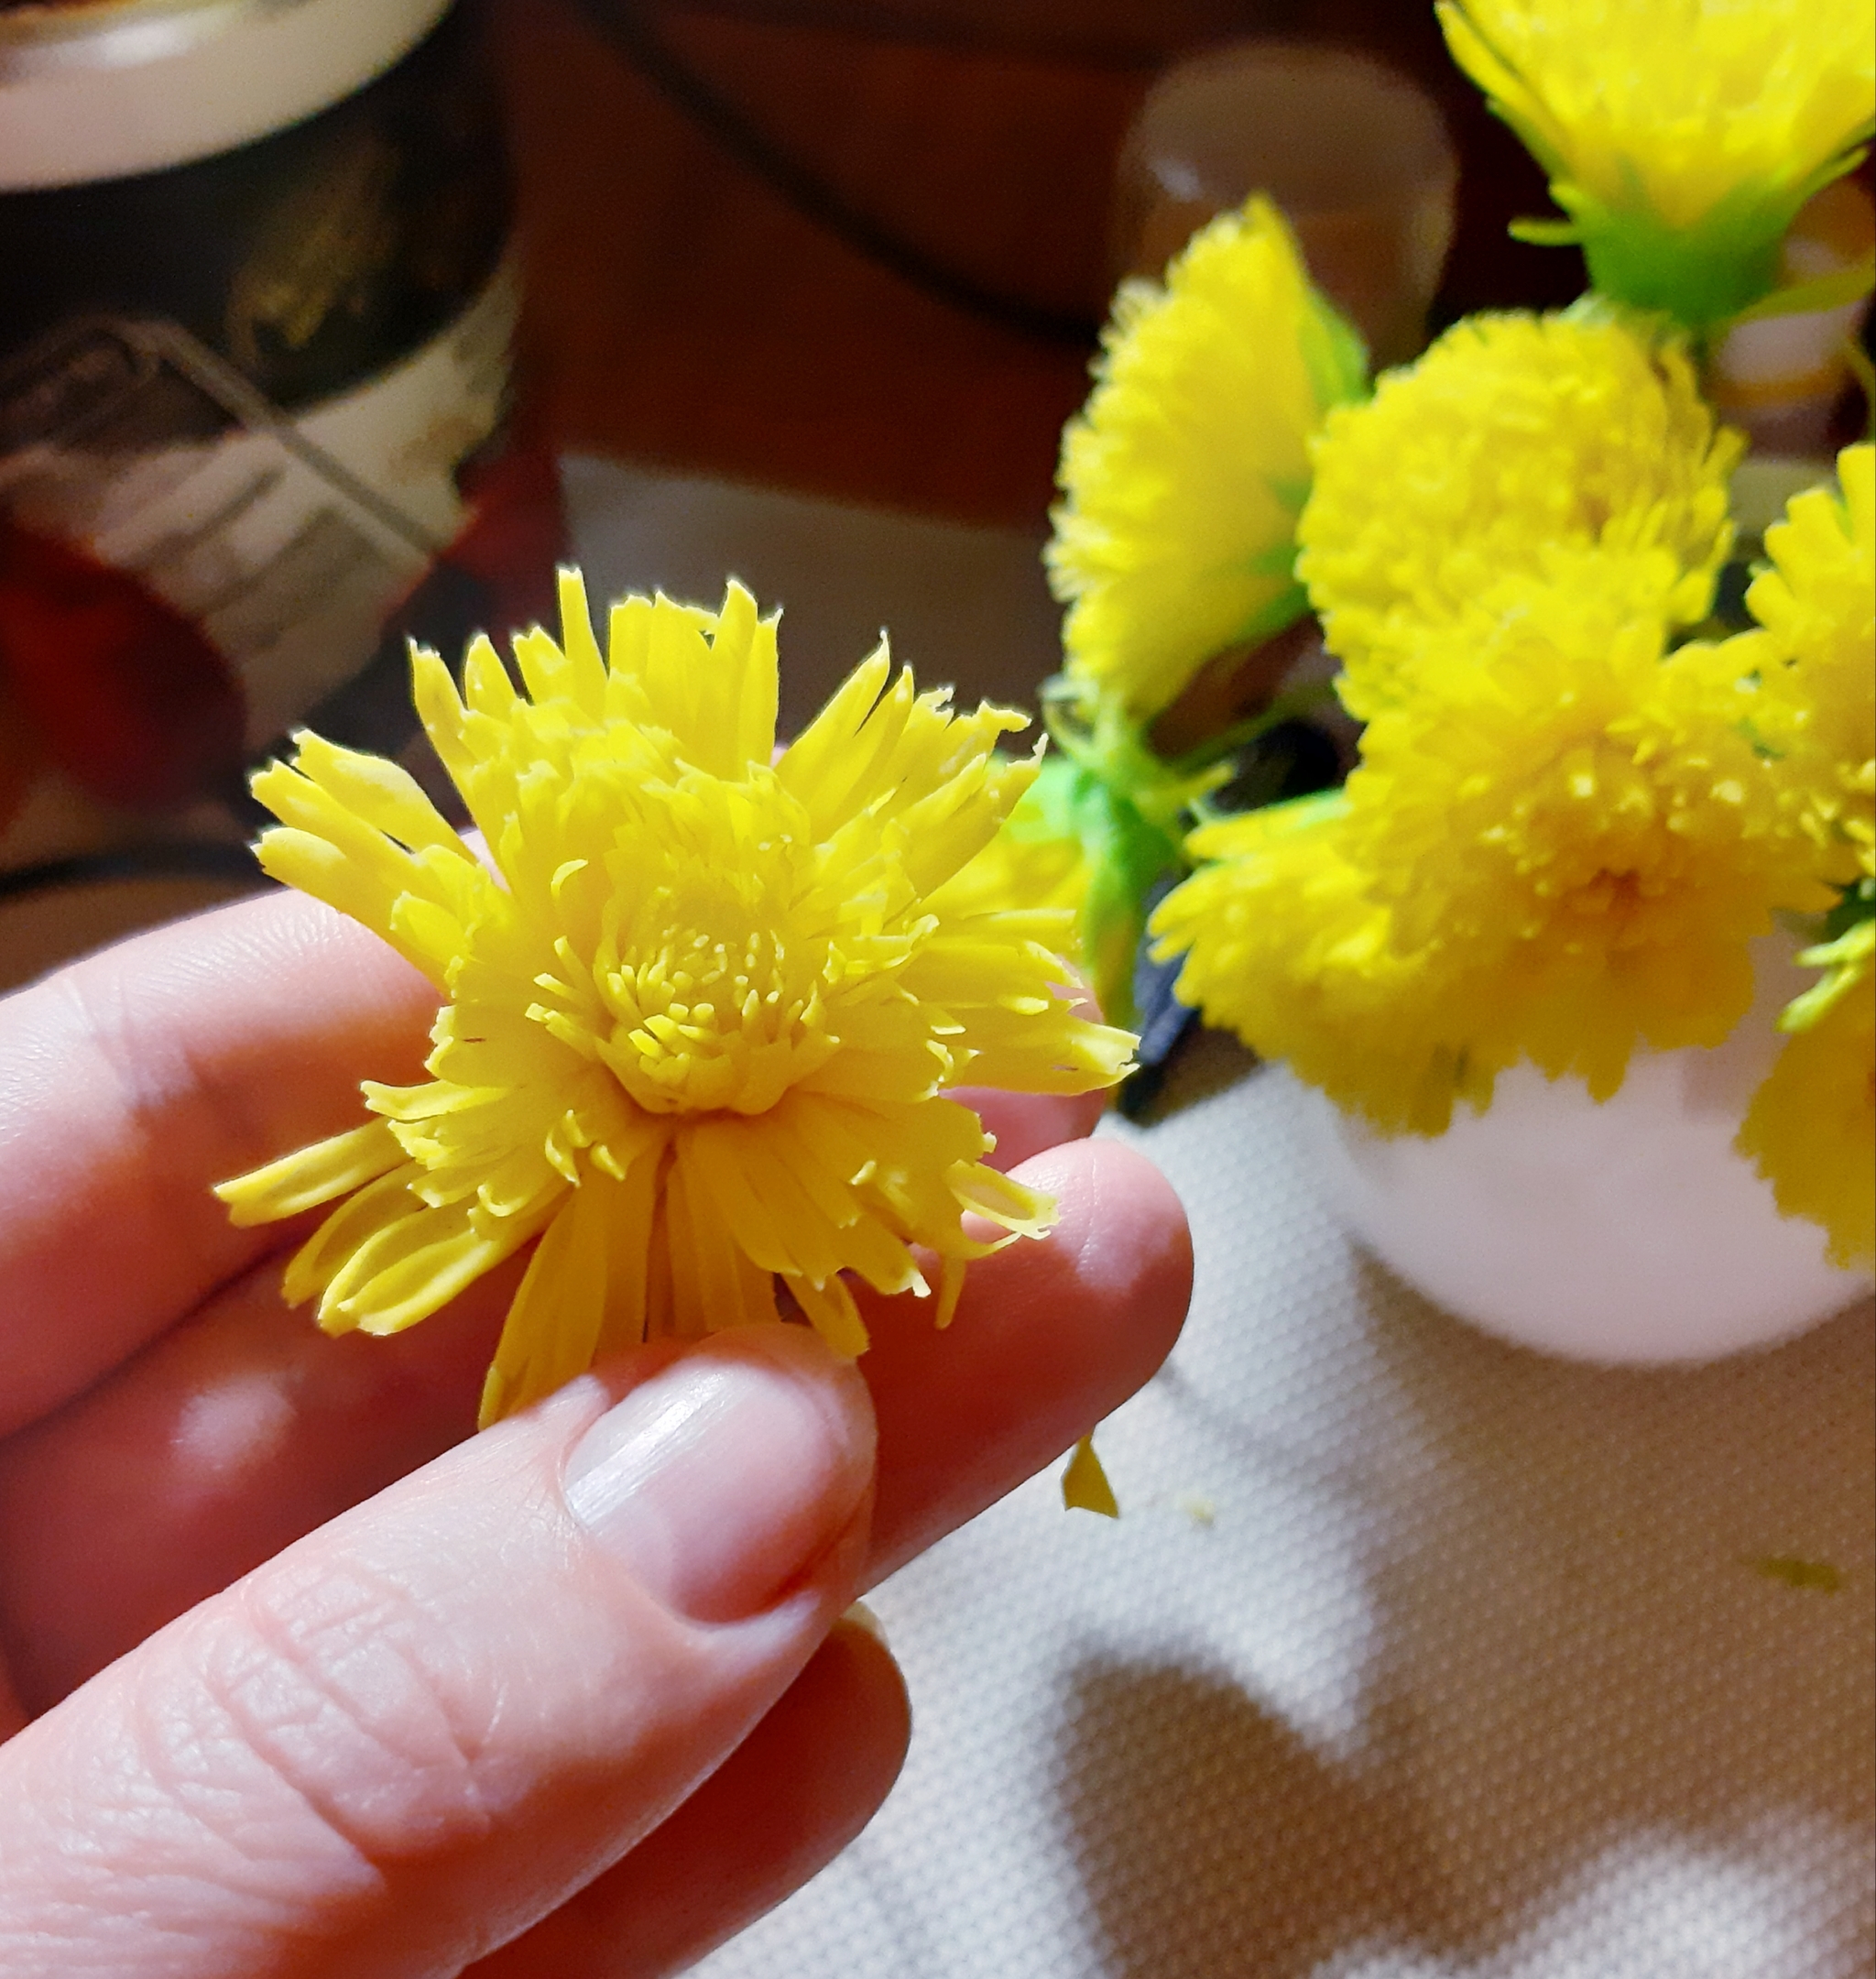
x: 345, y: 1697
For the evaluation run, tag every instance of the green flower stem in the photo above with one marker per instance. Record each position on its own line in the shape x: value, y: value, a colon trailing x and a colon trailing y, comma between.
x: 1285, y: 707
x: 1126, y: 806
x: 1129, y: 809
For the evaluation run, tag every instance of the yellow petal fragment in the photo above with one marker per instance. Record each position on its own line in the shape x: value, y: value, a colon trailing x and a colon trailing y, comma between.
x: 1182, y: 480
x: 1085, y: 1486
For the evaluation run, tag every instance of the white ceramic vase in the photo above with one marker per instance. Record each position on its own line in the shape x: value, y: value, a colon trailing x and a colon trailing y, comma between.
x: 1626, y: 1231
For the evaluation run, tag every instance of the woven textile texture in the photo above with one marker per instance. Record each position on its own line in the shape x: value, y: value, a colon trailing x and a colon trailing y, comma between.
x: 1413, y: 1656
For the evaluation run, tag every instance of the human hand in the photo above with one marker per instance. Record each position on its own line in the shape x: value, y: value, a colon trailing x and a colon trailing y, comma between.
x: 570, y: 1697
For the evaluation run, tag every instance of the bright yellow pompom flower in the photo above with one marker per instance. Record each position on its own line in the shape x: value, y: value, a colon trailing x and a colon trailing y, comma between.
x: 1558, y: 850
x: 1183, y: 479
x: 700, y: 1012
x: 1812, y: 1127
x: 1681, y: 136
x: 1817, y: 602
x: 1588, y: 829
x: 1572, y: 450
x: 1288, y: 943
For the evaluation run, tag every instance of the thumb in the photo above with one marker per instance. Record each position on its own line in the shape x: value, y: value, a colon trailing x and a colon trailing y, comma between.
x: 424, y: 1726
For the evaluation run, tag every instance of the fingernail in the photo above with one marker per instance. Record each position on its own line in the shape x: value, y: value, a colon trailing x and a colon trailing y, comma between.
x: 723, y: 1477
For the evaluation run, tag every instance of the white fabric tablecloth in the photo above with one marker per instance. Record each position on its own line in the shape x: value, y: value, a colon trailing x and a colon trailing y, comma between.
x: 1413, y: 1656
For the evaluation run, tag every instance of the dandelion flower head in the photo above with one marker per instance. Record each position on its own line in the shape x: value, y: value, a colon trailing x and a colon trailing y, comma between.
x: 1812, y: 1125
x: 1288, y: 943
x: 1558, y: 849
x: 1681, y: 136
x: 1572, y: 448
x: 1817, y: 602
x: 1590, y: 822
x: 699, y: 1010
x: 1182, y: 477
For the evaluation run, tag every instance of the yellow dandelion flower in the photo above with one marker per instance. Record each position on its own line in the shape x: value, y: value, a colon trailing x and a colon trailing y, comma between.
x: 1812, y: 1126
x: 1571, y: 448
x: 1287, y: 943
x: 699, y: 1012
x: 1183, y: 479
x: 1818, y: 605
x: 1681, y: 136
x: 1588, y: 829
x: 1558, y: 849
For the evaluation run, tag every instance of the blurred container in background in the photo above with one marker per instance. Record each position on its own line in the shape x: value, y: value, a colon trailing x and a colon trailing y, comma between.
x: 257, y: 294
x: 1786, y: 378
x: 1355, y: 154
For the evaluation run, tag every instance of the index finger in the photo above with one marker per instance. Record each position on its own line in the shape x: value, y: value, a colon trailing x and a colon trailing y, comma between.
x: 136, y: 1079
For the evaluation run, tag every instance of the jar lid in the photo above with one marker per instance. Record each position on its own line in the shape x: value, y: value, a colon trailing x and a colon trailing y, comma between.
x: 102, y: 89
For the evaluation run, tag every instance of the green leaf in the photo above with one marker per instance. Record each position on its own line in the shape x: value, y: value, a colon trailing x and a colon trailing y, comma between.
x: 1545, y: 233
x: 1856, y: 903
x: 1822, y: 293
x: 1125, y: 855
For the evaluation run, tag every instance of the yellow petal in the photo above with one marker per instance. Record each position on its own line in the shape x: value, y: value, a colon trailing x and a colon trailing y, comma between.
x: 356, y: 1220
x: 552, y: 1328
x: 409, y: 1269
x: 832, y: 1312
x: 311, y: 1175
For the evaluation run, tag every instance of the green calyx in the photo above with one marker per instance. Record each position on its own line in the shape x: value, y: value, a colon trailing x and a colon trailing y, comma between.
x: 1703, y: 276
x: 1843, y: 956
x: 1124, y: 805
x: 1129, y: 809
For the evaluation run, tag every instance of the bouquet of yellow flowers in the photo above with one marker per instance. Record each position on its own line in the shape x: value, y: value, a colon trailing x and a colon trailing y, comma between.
x: 1580, y: 796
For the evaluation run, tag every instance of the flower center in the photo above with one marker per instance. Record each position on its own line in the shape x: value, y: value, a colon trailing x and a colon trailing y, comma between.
x: 716, y: 955
x: 702, y: 949
x: 709, y: 1011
